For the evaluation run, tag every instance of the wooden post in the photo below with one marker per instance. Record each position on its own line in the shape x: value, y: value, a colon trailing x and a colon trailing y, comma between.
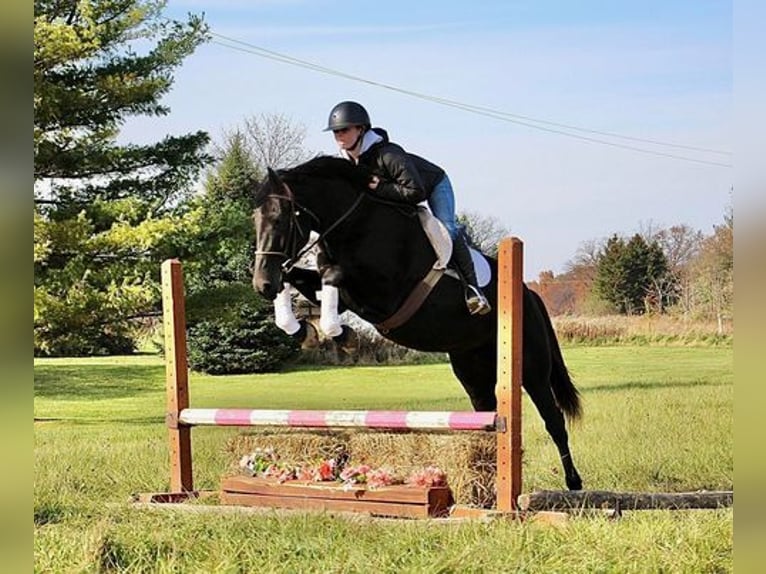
x: 509, y: 365
x: 176, y: 375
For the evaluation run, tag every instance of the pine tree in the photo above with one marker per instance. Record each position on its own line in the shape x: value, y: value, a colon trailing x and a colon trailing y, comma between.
x: 610, y: 274
x: 105, y: 213
x: 225, y: 246
x: 628, y: 274
x: 231, y: 328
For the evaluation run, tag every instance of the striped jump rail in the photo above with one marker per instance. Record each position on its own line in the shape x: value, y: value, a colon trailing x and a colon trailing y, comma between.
x: 375, y: 420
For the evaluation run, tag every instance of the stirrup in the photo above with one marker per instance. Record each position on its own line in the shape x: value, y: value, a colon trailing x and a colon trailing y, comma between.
x: 476, y: 301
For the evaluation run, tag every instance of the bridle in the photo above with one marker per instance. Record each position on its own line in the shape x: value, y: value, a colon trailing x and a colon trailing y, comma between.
x: 295, y: 231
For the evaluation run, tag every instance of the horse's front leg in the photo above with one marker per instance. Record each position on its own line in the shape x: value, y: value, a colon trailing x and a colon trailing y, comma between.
x: 329, y: 321
x: 284, y: 318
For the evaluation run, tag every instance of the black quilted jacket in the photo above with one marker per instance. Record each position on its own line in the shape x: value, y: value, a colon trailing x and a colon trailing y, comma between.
x: 403, y: 176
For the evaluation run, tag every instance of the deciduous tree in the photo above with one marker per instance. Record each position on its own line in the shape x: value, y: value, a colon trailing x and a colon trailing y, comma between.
x: 484, y: 231
x: 712, y: 273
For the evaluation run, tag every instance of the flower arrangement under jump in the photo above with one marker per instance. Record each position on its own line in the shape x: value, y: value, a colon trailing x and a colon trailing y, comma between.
x: 264, y: 463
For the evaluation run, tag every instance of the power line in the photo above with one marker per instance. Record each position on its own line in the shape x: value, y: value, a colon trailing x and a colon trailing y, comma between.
x: 558, y: 128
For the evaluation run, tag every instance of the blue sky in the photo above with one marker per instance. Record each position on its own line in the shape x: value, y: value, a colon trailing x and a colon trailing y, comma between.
x: 658, y: 71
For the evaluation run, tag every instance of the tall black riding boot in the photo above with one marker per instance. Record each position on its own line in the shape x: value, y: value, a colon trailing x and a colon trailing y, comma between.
x: 474, y: 298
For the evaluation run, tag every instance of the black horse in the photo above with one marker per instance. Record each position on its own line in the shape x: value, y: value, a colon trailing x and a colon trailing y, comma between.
x: 379, y: 253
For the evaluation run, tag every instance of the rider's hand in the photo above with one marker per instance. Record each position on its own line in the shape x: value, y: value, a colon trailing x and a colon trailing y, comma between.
x: 374, y: 181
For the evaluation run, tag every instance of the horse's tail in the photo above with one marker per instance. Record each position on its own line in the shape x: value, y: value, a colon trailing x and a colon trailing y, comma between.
x: 566, y: 394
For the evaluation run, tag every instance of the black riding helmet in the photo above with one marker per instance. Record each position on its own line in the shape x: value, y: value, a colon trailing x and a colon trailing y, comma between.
x: 347, y: 114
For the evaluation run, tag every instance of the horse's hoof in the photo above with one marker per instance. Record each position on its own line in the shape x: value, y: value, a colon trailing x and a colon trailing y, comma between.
x: 307, y: 336
x: 347, y: 341
x: 574, y: 483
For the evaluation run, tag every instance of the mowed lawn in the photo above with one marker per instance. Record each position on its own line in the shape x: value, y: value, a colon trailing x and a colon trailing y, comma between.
x: 656, y: 419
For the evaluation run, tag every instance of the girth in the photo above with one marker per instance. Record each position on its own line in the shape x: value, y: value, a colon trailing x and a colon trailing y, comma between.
x: 412, y: 303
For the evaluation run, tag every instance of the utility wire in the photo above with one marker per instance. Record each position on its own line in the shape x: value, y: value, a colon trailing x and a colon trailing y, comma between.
x: 517, y: 119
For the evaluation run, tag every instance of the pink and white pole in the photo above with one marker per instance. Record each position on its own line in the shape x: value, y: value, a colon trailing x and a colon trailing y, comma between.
x: 433, y: 421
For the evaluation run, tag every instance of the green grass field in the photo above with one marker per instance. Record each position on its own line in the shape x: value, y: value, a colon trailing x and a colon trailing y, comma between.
x: 656, y: 419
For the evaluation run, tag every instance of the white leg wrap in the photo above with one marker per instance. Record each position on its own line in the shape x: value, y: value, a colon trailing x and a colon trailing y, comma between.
x: 283, y: 312
x: 329, y: 321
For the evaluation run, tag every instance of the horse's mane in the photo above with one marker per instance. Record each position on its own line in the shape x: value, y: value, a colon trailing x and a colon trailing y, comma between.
x: 329, y: 167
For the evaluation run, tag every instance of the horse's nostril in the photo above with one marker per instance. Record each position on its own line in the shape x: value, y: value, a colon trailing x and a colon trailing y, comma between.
x: 267, y: 290
x: 265, y: 286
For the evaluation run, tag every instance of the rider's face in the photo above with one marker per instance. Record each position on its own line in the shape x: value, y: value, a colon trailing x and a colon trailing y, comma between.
x: 347, y: 137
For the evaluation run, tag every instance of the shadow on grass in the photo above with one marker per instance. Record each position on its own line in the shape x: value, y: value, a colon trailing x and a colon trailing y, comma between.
x: 650, y: 386
x: 94, y: 382
x: 49, y: 513
x: 148, y: 420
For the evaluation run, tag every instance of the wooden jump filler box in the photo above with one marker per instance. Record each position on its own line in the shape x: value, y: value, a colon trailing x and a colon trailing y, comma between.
x: 402, y: 501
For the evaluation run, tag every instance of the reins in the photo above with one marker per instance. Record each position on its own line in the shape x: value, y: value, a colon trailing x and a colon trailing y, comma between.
x: 288, y: 265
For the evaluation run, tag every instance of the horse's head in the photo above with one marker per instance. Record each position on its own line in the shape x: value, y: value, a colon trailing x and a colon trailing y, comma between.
x: 278, y: 234
x: 326, y: 191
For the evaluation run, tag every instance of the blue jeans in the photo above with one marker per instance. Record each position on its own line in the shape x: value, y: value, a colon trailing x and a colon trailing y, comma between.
x: 442, y: 205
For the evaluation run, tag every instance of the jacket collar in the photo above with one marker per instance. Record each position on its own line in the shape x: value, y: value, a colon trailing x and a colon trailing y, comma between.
x: 369, y: 139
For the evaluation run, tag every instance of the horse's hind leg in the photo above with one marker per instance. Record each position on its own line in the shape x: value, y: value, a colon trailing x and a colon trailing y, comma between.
x: 539, y: 368
x: 542, y: 397
x: 477, y: 372
x: 476, y: 369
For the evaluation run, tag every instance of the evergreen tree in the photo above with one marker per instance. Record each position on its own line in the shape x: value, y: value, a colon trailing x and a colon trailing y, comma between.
x: 628, y: 275
x: 225, y: 247
x: 105, y: 214
x: 610, y: 279
x: 231, y: 328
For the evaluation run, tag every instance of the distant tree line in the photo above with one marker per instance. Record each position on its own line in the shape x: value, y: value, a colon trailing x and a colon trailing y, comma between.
x: 675, y: 270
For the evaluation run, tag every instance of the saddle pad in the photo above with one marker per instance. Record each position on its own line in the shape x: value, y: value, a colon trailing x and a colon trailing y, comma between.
x: 442, y: 244
x: 438, y: 236
x: 481, y: 265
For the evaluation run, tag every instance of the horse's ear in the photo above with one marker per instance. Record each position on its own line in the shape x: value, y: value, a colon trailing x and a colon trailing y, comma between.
x: 276, y: 183
x: 274, y: 178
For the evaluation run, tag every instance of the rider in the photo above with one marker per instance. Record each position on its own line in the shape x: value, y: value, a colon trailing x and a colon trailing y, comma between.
x: 401, y: 176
